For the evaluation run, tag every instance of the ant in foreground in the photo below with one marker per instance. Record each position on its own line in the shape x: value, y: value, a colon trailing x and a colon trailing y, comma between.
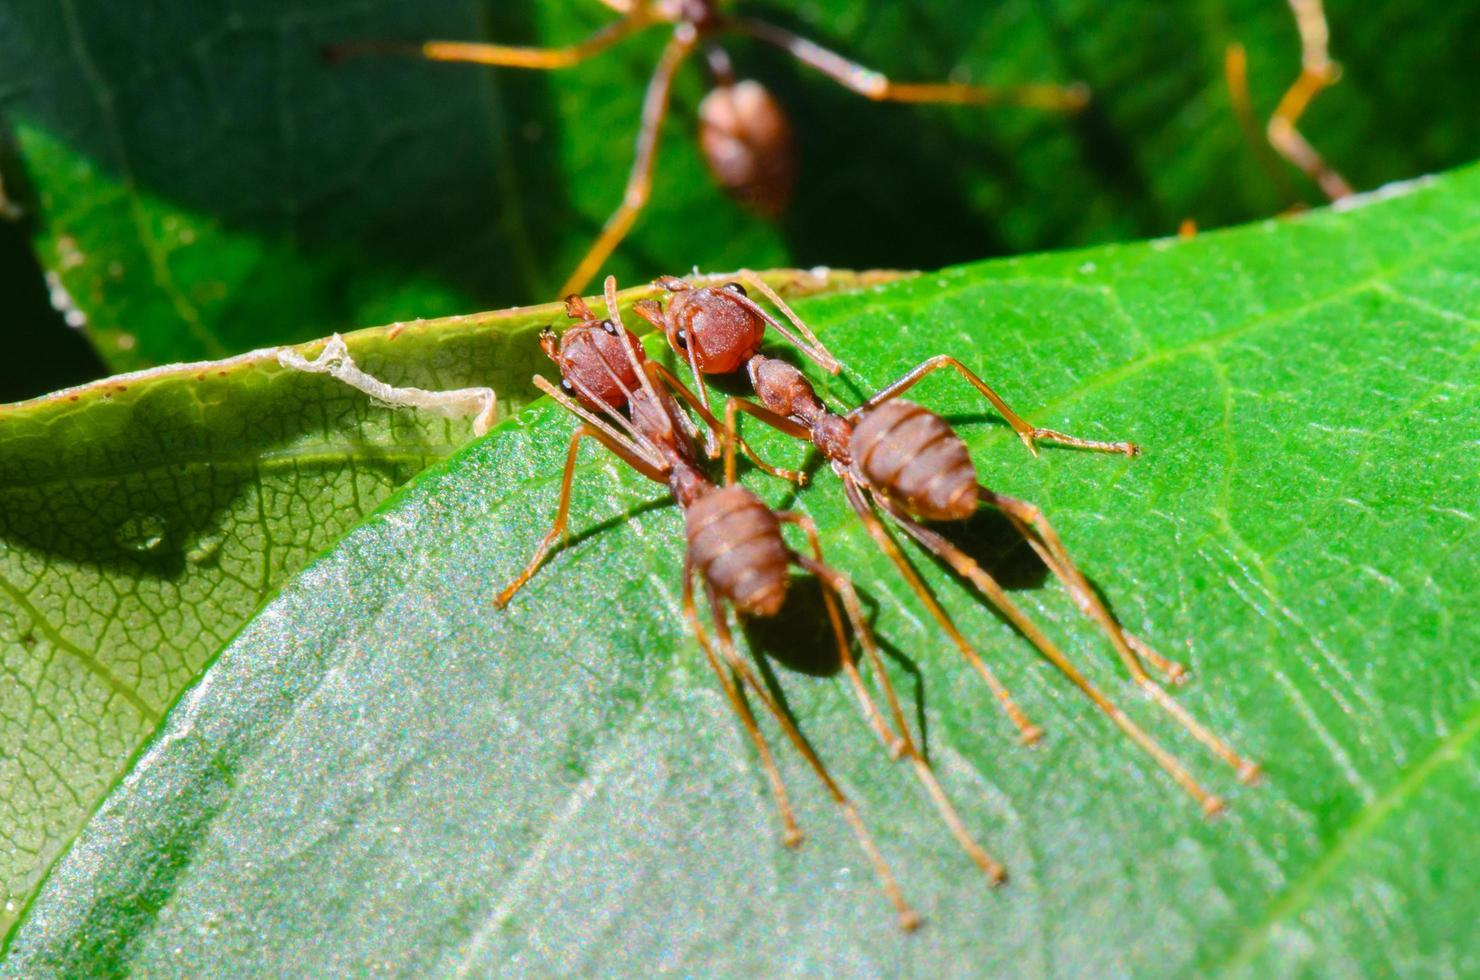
x: 905, y: 461
x: 734, y: 548
x: 1317, y: 73
x: 744, y: 134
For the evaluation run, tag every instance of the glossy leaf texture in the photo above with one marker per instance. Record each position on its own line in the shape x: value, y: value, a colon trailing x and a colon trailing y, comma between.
x: 203, y: 183
x: 383, y: 772
x: 145, y: 517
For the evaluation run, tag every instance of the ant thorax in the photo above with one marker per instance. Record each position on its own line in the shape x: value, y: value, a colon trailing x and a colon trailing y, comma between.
x: 783, y: 389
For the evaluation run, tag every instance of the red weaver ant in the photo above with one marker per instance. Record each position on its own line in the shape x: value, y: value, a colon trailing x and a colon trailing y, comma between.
x: 743, y: 132
x: 734, y: 548
x: 906, y: 461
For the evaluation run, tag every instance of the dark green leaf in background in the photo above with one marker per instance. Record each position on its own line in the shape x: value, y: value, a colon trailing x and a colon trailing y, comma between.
x: 206, y: 184
x: 382, y: 772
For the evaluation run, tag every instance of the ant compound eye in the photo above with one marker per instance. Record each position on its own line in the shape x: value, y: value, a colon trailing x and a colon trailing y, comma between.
x: 609, y: 327
x: 735, y: 287
x: 681, y: 340
x: 567, y: 387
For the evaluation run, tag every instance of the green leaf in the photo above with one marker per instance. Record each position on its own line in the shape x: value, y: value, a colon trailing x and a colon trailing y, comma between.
x: 144, y: 518
x: 206, y: 184
x: 383, y: 772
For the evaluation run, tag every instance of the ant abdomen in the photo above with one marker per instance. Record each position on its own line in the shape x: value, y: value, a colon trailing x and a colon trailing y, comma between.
x: 910, y: 455
x: 747, y: 142
x: 735, y: 541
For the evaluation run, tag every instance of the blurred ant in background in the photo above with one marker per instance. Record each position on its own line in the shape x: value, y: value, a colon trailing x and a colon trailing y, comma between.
x: 744, y: 134
x: 1317, y: 73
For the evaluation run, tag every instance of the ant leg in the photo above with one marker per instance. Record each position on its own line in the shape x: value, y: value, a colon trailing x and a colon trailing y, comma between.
x: 633, y: 439
x: 1030, y: 521
x: 699, y: 403
x: 562, y: 513
x: 1028, y: 733
x: 1236, y: 76
x: 1173, y: 671
x: 729, y: 433
x: 993, y: 592
x: 335, y: 361
x: 1034, y: 526
x: 812, y: 347
x: 639, y: 181
x: 733, y: 406
x: 874, y: 85
x: 897, y: 745
x: 691, y: 355
x: 908, y: 918
x: 1026, y: 432
x: 791, y: 834
x: 1317, y: 72
x: 499, y: 55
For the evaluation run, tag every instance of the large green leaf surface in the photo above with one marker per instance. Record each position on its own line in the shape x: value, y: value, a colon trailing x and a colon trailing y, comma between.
x: 384, y: 773
x: 144, y: 518
x: 142, y: 521
x: 203, y: 183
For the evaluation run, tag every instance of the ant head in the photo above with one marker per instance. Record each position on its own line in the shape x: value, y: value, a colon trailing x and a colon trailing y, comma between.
x: 717, y: 326
x: 747, y: 143
x: 594, y: 366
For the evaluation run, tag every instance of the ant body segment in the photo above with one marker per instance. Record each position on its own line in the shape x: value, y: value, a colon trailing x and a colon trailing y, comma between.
x: 734, y: 549
x: 905, y: 461
x: 744, y: 134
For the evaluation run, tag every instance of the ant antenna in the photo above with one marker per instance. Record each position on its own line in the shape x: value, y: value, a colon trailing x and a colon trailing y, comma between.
x: 614, y: 312
x: 815, y: 350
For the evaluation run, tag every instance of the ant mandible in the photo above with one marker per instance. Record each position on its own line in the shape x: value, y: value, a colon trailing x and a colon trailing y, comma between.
x: 744, y: 134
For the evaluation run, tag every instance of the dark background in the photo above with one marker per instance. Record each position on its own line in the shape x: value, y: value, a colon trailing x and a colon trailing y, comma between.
x: 326, y: 198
